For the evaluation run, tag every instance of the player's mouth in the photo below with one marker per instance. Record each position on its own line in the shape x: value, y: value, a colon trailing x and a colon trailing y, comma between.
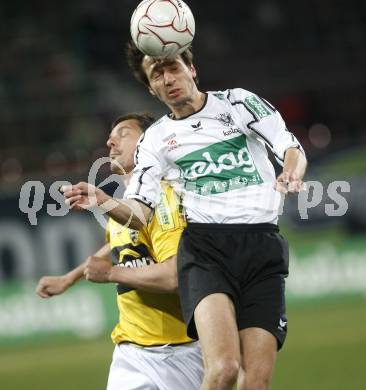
x: 174, y: 92
x: 113, y: 156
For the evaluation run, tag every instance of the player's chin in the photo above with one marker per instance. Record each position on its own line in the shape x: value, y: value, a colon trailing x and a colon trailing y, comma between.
x: 178, y: 101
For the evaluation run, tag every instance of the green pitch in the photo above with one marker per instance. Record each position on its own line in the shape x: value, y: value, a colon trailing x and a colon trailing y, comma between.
x: 325, y: 350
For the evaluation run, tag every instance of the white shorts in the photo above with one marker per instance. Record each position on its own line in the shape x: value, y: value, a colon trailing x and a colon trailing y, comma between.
x: 156, y: 368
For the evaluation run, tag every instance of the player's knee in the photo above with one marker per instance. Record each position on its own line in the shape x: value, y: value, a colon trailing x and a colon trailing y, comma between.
x: 223, y: 371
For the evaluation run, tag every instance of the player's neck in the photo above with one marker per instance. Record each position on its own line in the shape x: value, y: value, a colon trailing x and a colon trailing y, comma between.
x: 189, y: 107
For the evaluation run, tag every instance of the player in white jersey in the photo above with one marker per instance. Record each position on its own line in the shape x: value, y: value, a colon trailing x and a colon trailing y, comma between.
x: 232, y: 261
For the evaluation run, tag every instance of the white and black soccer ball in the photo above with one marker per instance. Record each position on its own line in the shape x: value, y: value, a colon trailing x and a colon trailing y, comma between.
x: 162, y: 28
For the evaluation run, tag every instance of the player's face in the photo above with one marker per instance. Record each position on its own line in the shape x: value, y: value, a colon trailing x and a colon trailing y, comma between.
x: 171, y: 80
x: 122, y: 144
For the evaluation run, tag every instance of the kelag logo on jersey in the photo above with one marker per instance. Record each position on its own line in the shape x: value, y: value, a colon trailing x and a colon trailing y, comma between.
x: 221, y: 167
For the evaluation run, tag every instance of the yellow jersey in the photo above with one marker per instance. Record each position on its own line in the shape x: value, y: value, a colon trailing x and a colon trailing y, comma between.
x: 147, y: 318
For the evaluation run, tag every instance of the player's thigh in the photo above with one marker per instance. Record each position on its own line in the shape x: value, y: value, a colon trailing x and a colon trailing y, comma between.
x: 126, y: 372
x: 259, y: 351
x: 217, y: 328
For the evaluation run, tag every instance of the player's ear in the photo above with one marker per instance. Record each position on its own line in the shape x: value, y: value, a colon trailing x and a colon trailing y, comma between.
x: 152, y: 92
x: 193, y: 70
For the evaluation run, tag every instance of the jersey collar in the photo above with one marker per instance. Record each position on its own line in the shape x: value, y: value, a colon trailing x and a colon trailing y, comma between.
x: 170, y: 115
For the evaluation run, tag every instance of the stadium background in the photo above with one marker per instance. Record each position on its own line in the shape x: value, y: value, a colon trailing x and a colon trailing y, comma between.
x: 63, y: 79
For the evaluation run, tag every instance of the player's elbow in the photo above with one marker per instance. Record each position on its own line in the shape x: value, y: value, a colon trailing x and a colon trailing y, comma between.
x: 137, y: 224
x: 140, y: 215
x: 172, y: 275
x: 173, y: 285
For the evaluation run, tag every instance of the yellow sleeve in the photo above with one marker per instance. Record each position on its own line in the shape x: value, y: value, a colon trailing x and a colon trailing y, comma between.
x: 167, y: 225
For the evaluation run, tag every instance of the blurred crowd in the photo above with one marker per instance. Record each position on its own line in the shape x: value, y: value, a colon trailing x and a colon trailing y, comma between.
x: 63, y: 76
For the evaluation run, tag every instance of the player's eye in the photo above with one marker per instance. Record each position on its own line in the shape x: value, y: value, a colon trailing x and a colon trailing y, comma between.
x: 155, y: 75
x: 123, y: 133
x: 173, y: 68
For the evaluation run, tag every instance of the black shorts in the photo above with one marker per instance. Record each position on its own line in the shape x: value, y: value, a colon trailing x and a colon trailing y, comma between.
x: 248, y: 262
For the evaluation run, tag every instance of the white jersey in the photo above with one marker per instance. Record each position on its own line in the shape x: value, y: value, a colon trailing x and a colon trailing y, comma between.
x: 216, y: 159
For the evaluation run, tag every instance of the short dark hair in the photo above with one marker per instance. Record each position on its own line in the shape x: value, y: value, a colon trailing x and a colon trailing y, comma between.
x: 135, y: 57
x: 144, y: 119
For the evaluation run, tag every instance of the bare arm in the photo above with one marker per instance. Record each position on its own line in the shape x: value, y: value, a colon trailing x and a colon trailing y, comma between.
x: 158, y: 278
x: 49, y: 286
x: 127, y: 212
x: 161, y: 277
x: 294, y: 167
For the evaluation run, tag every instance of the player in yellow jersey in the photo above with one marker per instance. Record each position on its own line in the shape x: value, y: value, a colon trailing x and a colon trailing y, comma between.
x: 152, y: 349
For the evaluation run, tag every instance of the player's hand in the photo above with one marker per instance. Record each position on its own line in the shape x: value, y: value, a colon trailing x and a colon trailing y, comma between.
x: 98, y: 270
x: 289, y: 183
x: 48, y: 286
x: 83, y: 196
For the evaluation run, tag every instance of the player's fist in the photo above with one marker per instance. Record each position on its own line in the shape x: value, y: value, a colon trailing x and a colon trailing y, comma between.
x: 98, y: 270
x: 83, y: 196
x: 289, y: 183
x: 49, y: 286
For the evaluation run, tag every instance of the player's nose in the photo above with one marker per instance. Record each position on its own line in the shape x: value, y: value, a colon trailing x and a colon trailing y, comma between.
x: 110, y: 142
x: 169, y: 78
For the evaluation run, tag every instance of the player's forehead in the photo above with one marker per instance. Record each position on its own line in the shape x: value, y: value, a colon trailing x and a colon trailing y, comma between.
x: 126, y: 127
x: 150, y: 64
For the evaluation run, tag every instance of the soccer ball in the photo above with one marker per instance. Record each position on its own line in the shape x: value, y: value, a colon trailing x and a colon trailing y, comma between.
x: 162, y: 28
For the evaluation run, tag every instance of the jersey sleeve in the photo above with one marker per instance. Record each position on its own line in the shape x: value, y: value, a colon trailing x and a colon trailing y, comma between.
x: 149, y: 169
x: 167, y: 225
x: 264, y: 122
